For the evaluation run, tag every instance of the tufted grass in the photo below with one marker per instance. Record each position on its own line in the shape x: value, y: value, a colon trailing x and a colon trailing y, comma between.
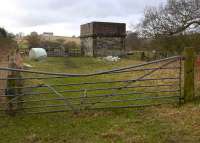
x: 163, y: 124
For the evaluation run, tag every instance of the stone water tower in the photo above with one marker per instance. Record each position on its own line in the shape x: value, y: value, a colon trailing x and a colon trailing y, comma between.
x: 103, y: 39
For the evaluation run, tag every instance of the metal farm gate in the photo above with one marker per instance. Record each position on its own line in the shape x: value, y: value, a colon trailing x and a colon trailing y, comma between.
x: 147, y: 84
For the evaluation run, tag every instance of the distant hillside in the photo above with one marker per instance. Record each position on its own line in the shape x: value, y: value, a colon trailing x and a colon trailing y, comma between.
x: 67, y: 39
x: 23, y: 43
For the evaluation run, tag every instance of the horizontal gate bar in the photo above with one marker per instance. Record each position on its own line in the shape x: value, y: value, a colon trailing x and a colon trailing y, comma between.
x: 175, y: 58
x: 111, y: 101
x: 95, y: 89
x: 96, y: 96
x: 89, y: 83
x: 91, y: 96
x: 31, y: 78
x: 147, y: 69
x: 113, y: 107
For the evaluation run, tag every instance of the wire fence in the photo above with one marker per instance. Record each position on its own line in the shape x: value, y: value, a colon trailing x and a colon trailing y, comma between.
x: 56, y: 52
x: 147, y: 84
x: 197, y: 74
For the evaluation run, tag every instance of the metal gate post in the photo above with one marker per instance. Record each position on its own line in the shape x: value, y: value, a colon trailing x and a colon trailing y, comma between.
x: 189, y: 84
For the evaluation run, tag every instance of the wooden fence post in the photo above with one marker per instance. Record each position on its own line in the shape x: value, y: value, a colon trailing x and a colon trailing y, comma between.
x: 11, y: 84
x: 189, y: 82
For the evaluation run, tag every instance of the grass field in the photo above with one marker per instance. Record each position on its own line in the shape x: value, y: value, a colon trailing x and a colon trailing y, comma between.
x: 163, y: 124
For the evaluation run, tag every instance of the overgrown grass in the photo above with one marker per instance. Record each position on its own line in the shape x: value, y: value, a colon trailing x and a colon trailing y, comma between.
x: 164, y: 124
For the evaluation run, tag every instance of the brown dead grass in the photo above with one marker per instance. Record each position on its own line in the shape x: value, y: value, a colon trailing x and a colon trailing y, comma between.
x: 183, y: 122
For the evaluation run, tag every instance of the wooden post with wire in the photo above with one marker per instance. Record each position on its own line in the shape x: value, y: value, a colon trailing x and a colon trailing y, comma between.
x: 189, y: 71
x: 12, y: 82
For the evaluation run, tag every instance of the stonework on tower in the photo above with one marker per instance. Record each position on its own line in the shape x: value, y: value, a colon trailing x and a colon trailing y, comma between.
x: 103, y: 39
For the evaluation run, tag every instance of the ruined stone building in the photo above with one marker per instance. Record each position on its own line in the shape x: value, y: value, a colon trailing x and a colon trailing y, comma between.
x: 103, y: 39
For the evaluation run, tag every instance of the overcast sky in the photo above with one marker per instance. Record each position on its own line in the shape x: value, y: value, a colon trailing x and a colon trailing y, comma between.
x: 64, y: 17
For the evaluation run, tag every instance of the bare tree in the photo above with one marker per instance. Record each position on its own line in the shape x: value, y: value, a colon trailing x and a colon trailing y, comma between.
x: 133, y: 41
x: 34, y: 40
x: 175, y: 17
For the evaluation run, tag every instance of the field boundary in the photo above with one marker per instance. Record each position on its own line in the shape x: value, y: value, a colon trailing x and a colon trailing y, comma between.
x: 94, y: 95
